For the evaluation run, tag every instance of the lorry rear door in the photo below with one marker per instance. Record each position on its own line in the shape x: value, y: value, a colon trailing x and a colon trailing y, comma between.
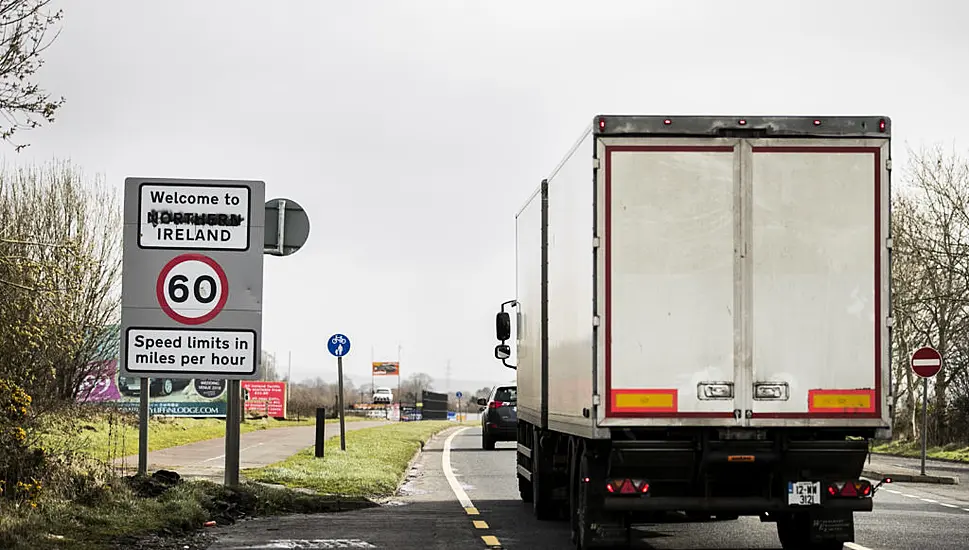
x: 816, y: 281
x: 669, y: 317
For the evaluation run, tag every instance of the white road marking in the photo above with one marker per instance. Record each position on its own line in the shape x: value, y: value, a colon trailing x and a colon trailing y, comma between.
x: 314, y: 544
x: 449, y: 473
x: 893, y: 491
x: 854, y: 546
x: 929, y: 500
x: 240, y: 451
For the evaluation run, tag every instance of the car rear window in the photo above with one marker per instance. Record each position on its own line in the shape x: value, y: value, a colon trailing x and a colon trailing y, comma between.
x: 508, y: 394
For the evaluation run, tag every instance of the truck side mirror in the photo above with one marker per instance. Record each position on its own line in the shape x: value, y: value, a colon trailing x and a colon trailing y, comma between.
x: 503, y: 326
x: 502, y: 351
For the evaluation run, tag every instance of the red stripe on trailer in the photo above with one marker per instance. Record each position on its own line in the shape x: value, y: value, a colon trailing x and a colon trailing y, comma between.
x: 607, y: 230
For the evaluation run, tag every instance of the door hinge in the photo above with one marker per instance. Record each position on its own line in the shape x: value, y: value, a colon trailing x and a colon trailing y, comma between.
x: 595, y: 320
x: 889, y: 322
x: 888, y: 164
x: 889, y: 243
x: 596, y: 400
x: 595, y: 242
x: 595, y: 164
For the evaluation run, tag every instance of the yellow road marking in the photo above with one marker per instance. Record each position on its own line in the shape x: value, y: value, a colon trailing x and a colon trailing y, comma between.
x: 480, y: 524
x: 471, y: 510
x: 491, y: 540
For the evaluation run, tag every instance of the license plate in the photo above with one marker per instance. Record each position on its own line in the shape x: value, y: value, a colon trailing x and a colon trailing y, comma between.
x: 803, y: 493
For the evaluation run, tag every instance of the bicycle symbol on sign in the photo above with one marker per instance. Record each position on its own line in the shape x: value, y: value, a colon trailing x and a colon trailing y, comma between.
x: 338, y: 345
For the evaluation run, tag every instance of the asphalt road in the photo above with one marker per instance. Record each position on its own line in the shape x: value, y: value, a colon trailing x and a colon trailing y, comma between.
x: 206, y: 459
x: 481, y: 509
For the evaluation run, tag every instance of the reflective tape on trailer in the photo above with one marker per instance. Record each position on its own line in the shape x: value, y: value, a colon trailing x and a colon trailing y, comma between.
x: 842, y: 401
x: 644, y: 401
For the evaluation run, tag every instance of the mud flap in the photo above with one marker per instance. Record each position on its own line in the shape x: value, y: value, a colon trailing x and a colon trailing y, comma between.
x: 831, y: 526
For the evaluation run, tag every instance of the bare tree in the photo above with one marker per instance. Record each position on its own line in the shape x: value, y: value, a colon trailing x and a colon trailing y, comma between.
x: 24, y: 25
x: 412, y: 388
x: 60, y: 264
x: 931, y: 275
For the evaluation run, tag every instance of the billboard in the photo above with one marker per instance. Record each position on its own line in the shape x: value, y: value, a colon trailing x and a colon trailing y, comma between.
x: 265, y: 397
x: 386, y: 368
x: 197, y: 397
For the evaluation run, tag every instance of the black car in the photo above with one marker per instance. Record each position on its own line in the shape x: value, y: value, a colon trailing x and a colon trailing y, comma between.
x: 499, y: 419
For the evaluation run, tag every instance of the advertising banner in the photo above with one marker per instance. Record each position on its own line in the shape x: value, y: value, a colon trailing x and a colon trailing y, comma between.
x: 166, y: 396
x: 386, y: 368
x: 265, y: 397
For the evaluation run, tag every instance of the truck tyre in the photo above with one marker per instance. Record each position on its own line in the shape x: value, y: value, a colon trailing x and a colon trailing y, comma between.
x: 592, y: 530
x: 542, y: 504
x: 525, y: 489
x: 793, y: 531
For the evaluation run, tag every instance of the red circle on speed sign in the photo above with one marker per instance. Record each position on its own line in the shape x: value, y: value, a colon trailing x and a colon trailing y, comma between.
x: 926, y: 362
x: 192, y: 289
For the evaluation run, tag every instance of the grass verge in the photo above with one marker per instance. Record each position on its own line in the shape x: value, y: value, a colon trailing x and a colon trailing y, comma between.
x: 912, y: 449
x: 143, y: 513
x: 106, y: 437
x: 373, y: 465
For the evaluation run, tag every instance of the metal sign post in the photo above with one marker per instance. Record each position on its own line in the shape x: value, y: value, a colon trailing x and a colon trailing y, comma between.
x: 459, y: 395
x: 926, y: 363
x: 339, y: 346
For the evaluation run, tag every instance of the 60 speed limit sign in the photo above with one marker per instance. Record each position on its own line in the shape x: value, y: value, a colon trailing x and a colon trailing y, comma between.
x: 192, y: 289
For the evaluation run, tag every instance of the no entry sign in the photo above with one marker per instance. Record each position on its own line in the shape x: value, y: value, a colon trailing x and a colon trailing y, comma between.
x: 926, y: 362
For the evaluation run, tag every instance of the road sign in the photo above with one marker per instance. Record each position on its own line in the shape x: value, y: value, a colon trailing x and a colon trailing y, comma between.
x: 192, y: 289
x: 192, y: 278
x: 287, y: 227
x: 926, y: 362
x: 339, y: 345
x: 193, y: 214
x: 459, y: 395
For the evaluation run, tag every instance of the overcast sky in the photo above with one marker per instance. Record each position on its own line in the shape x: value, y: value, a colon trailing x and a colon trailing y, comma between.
x: 413, y: 131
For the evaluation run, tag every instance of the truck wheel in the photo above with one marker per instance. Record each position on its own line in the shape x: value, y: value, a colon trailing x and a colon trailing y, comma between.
x: 793, y: 531
x: 592, y: 529
x: 542, y: 504
x: 525, y: 489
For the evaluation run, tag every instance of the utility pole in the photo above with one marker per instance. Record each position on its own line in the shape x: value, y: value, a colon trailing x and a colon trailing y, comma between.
x: 447, y: 377
x: 289, y: 373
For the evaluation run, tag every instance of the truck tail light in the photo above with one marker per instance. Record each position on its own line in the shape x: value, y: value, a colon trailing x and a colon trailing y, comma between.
x: 627, y: 486
x: 881, y: 125
x: 850, y: 489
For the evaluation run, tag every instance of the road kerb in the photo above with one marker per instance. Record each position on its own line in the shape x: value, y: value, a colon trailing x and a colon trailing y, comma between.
x: 901, y: 477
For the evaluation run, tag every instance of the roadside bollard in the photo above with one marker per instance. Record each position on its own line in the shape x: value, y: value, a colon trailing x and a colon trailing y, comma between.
x: 320, y: 431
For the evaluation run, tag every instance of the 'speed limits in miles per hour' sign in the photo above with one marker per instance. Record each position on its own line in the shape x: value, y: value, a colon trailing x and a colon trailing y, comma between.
x: 192, y: 289
x: 208, y: 352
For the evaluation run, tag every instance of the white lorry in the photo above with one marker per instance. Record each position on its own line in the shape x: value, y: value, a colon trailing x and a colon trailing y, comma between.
x: 702, y: 324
